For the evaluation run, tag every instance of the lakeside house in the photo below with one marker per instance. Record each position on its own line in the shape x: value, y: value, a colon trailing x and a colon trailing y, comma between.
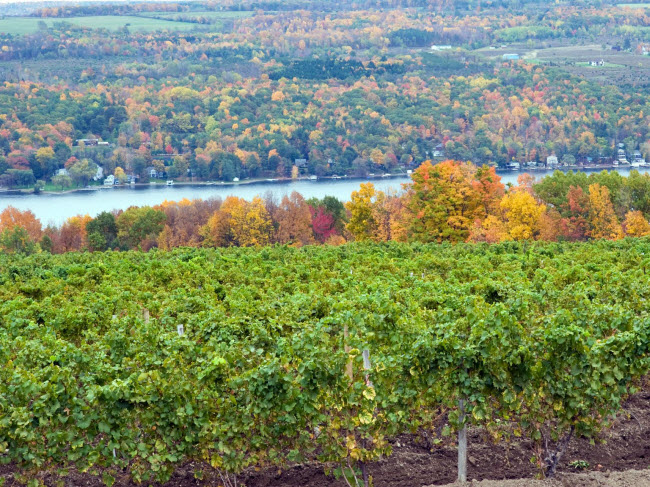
x: 154, y: 173
x: 552, y: 161
x: 513, y: 166
x: 109, y: 181
x: 91, y: 142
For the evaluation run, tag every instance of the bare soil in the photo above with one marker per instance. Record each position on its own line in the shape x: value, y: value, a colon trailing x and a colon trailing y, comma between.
x: 621, y: 459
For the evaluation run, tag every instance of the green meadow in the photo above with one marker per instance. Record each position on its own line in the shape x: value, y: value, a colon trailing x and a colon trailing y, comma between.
x: 28, y: 25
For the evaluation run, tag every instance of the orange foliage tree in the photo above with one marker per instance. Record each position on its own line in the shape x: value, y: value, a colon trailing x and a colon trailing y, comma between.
x: 12, y: 217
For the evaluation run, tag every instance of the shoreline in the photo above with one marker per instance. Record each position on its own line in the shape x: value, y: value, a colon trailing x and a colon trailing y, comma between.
x: 245, y: 182
x: 30, y: 191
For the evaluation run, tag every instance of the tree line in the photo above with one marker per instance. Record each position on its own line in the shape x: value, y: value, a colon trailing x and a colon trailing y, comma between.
x: 447, y: 202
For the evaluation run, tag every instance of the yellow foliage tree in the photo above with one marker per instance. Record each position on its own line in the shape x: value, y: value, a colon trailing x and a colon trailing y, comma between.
x: 636, y: 225
x: 363, y: 207
x: 522, y: 215
x: 603, y: 222
x: 120, y: 175
x: 251, y: 224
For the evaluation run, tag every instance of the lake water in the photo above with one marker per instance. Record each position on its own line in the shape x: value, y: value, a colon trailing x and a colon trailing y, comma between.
x: 56, y: 208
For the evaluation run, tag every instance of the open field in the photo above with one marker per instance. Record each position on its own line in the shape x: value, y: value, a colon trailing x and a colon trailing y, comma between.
x: 205, y: 14
x: 621, y: 67
x: 28, y: 25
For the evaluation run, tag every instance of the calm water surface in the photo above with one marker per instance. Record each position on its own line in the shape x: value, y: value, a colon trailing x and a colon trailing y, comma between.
x: 55, y: 208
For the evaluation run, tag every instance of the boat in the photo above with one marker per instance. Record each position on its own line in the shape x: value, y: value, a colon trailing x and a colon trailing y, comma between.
x: 313, y: 178
x: 170, y: 182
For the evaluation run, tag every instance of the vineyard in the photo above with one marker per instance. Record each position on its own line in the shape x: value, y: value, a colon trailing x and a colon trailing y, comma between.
x: 243, y: 358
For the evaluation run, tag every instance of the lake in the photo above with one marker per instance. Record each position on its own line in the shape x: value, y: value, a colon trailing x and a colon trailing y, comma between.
x: 56, y: 208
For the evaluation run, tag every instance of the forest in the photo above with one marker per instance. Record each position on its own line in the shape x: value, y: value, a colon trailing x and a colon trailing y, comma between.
x: 449, y: 202
x: 249, y: 90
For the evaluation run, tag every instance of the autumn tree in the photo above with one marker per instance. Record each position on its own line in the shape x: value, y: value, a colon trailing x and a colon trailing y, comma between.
x: 576, y: 210
x: 12, y: 217
x: 184, y: 221
x: 251, y: 224
x: 635, y: 224
x: 603, y: 222
x: 238, y: 223
x: 322, y: 223
x: 73, y: 234
x: 217, y: 232
x: 363, y: 208
x: 120, y: 175
x: 294, y: 220
x: 487, y: 183
x: 522, y: 215
x: 442, y: 202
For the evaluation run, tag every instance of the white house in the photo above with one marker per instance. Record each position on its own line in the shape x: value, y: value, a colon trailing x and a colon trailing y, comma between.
x: 551, y: 161
x: 109, y: 181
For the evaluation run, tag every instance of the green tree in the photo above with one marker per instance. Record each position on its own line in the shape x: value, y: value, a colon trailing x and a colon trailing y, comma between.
x: 138, y: 228
x: 16, y: 240
x: 82, y: 171
x: 62, y: 180
x: 102, y: 232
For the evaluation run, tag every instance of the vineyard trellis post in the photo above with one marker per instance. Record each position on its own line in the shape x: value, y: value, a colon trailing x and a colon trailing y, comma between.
x: 462, y: 443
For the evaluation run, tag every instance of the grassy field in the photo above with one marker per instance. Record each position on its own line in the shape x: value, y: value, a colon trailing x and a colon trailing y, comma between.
x: 27, y: 25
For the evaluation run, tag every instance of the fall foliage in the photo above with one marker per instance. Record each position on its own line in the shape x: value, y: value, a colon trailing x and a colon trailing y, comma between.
x: 447, y: 202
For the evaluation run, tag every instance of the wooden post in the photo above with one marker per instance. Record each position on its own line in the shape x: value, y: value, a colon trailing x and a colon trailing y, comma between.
x: 367, y: 366
x: 462, y: 443
x: 145, y: 315
x: 347, y: 348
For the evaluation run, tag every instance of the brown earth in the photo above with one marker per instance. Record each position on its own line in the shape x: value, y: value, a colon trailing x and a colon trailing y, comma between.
x: 625, y: 447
